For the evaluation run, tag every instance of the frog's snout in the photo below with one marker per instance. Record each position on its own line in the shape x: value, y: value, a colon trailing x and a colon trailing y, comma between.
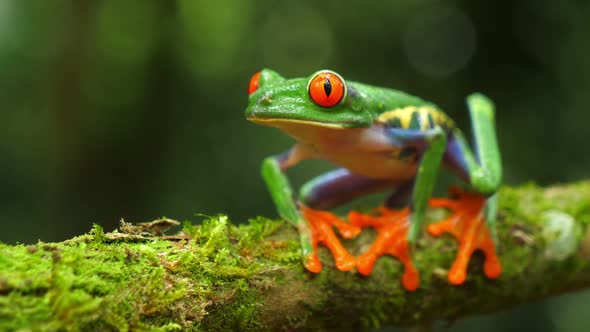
x: 259, y: 106
x: 265, y: 99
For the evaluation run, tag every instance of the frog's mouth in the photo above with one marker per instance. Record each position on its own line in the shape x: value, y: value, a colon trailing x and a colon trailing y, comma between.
x: 280, y: 123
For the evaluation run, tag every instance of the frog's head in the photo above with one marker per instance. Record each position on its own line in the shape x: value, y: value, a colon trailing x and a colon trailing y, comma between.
x: 323, y: 99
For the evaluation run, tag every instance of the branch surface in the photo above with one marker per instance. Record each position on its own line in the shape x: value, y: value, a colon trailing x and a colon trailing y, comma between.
x: 220, y: 276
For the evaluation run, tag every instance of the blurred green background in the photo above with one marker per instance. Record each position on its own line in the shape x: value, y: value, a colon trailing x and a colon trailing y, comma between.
x: 134, y: 109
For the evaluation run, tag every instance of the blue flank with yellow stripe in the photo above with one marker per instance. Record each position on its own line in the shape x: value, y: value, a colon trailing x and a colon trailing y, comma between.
x: 416, y: 117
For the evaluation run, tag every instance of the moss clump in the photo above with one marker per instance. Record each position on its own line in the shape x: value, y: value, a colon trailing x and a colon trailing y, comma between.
x: 223, y: 277
x: 106, y: 281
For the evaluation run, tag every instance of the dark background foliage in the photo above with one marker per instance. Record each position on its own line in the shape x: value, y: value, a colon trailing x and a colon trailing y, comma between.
x: 134, y: 109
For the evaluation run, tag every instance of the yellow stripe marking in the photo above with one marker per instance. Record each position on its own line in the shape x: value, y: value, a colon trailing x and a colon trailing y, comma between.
x: 404, y: 115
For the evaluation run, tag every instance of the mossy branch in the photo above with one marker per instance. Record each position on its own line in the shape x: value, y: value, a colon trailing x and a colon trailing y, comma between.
x: 221, y: 276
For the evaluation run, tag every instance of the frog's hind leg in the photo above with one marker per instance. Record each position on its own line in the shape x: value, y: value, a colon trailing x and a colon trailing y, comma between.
x: 391, y: 226
x: 338, y: 187
x: 398, y: 229
x: 467, y: 224
x: 472, y: 221
x: 326, y: 192
x: 392, y: 229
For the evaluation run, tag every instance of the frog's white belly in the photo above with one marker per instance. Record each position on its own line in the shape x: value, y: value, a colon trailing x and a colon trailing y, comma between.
x: 364, y: 151
x: 382, y: 165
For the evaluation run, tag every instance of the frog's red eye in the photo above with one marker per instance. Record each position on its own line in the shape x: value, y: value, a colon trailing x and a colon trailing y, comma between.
x: 253, y: 86
x: 327, y: 89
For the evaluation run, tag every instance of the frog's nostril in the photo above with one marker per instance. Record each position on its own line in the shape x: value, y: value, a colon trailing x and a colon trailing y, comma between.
x: 265, y: 99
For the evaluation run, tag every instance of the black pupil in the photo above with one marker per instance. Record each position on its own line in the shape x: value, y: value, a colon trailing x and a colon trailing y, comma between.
x: 327, y: 87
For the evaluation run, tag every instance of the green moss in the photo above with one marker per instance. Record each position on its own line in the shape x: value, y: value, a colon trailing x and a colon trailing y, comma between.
x: 97, y: 232
x: 91, y: 284
x: 189, y: 229
x: 222, y: 277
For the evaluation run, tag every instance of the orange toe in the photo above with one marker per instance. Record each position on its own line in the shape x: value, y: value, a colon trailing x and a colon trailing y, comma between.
x: 364, y: 263
x: 312, y: 263
x: 392, y: 229
x: 457, y: 275
x: 468, y: 226
x: 411, y: 278
x: 492, y: 267
x: 322, y: 232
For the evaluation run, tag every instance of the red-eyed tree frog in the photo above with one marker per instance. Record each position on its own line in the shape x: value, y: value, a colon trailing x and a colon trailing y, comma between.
x: 381, y: 139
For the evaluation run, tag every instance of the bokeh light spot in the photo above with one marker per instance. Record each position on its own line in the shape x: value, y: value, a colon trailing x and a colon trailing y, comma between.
x: 212, y: 34
x: 5, y: 21
x: 123, y: 39
x: 439, y: 41
x: 297, y: 38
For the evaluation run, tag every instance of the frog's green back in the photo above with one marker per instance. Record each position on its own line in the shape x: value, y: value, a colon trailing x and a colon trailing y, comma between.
x: 379, y: 99
x: 398, y: 109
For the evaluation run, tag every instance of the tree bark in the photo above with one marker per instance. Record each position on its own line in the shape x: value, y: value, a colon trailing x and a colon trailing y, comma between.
x: 220, y: 276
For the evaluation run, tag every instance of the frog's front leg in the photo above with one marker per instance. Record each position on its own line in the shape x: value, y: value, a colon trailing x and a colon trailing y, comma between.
x: 315, y: 227
x: 273, y: 173
x: 483, y: 172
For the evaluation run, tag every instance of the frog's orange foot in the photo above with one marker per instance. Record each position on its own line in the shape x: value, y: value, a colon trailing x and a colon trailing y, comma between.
x: 392, y: 229
x: 322, y: 225
x: 467, y: 224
